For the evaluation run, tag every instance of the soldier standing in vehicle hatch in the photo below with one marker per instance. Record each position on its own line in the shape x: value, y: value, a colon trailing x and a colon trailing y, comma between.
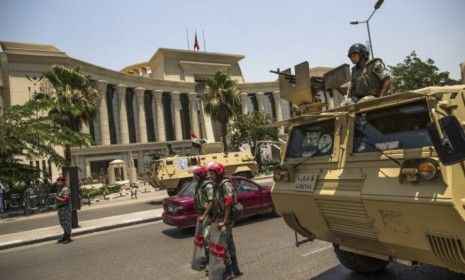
x: 203, y: 199
x: 369, y: 77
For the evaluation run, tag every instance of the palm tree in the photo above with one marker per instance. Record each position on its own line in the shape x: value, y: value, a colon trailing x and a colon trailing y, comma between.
x: 74, y: 97
x: 221, y: 100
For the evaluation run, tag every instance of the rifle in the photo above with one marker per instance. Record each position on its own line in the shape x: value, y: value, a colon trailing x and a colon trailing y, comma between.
x: 287, y: 76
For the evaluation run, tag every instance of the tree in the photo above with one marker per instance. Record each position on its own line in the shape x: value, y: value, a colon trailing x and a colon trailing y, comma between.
x: 74, y: 99
x: 414, y: 73
x: 248, y: 129
x: 221, y: 100
x: 26, y: 134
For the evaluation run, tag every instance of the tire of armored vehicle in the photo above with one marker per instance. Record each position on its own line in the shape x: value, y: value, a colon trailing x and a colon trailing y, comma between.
x: 359, y: 263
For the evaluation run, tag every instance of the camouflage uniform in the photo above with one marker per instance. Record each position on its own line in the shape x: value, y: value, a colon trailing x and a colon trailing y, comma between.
x: 367, y: 80
x: 224, y: 190
x: 65, y: 212
x: 204, y: 194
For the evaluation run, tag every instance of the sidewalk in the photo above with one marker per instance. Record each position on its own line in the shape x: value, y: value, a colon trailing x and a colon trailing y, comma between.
x: 96, y: 202
x: 54, y: 232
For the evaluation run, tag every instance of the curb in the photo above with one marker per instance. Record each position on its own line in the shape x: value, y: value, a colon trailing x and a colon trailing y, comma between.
x: 78, y: 231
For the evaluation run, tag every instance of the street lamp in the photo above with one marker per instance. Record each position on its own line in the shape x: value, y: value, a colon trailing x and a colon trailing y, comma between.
x: 377, y: 6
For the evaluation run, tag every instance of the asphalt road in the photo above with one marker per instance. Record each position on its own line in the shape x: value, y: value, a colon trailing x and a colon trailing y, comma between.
x: 156, y: 251
x: 18, y: 225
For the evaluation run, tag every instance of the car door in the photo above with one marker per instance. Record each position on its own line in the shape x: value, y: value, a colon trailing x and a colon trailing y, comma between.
x: 266, y: 201
x: 249, y: 195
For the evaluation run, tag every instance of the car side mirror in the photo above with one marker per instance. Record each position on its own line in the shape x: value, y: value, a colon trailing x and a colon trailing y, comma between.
x: 450, y: 141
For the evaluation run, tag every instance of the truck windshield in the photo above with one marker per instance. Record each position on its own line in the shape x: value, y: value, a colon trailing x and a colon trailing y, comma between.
x: 400, y: 127
x: 314, y: 139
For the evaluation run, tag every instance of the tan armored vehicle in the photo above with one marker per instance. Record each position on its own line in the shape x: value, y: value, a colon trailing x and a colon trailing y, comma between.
x: 172, y: 172
x: 383, y: 180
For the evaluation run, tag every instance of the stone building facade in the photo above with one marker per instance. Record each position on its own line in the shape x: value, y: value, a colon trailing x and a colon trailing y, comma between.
x: 142, y: 108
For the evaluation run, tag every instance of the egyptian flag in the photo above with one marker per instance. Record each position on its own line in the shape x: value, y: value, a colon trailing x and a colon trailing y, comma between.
x: 196, y: 43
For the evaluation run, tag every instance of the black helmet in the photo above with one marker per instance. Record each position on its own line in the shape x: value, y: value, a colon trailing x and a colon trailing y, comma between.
x: 361, y: 49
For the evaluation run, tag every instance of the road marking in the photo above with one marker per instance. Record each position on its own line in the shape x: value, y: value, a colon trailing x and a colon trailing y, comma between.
x: 316, y: 251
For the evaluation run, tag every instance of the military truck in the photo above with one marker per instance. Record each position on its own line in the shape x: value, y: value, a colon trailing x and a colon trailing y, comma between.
x: 382, y: 180
x: 172, y: 172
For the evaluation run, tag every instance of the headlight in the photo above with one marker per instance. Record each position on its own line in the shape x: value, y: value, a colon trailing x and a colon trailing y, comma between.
x: 413, y: 170
x: 426, y: 170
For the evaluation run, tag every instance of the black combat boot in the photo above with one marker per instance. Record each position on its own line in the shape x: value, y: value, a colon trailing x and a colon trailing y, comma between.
x: 228, y: 273
x: 235, y: 267
x: 67, y: 238
x: 62, y: 238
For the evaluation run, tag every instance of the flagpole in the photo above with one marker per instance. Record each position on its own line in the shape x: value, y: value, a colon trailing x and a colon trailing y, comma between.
x: 204, y: 45
x: 188, y: 45
x: 196, y: 42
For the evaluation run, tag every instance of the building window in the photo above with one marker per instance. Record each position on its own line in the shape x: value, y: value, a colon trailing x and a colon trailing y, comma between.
x: 169, y: 128
x: 270, y: 97
x: 130, y: 115
x: 149, y: 121
x: 185, y: 117
x: 254, y: 100
x: 111, y: 117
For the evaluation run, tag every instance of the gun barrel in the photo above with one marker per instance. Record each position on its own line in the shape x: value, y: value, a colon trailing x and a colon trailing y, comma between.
x: 287, y: 76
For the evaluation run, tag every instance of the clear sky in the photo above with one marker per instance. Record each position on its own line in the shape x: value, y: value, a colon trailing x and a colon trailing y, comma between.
x: 271, y: 34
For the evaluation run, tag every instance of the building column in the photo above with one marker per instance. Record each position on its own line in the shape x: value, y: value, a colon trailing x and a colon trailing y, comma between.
x: 141, y: 114
x: 103, y: 113
x: 207, y: 127
x: 194, y: 114
x: 261, y: 101
x: 177, y: 114
x: 244, y: 99
x: 160, y: 131
x: 277, y: 106
x: 132, y: 174
x: 122, y: 114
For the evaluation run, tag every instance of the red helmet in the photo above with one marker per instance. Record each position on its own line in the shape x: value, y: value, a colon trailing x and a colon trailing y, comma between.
x: 61, y: 178
x: 200, y: 170
x: 216, y: 167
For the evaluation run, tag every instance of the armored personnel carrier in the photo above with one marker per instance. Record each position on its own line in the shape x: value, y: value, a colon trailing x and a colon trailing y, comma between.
x: 382, y: 180
x: 172, y: 172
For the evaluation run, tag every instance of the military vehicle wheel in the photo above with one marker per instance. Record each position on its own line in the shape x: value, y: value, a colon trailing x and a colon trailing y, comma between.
x: 359, y: 263
x: 246, y: 174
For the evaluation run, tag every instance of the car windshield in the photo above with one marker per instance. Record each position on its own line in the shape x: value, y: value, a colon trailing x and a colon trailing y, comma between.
x: 400, y: 127
x: 188, y: 189
x: 314, y: 139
